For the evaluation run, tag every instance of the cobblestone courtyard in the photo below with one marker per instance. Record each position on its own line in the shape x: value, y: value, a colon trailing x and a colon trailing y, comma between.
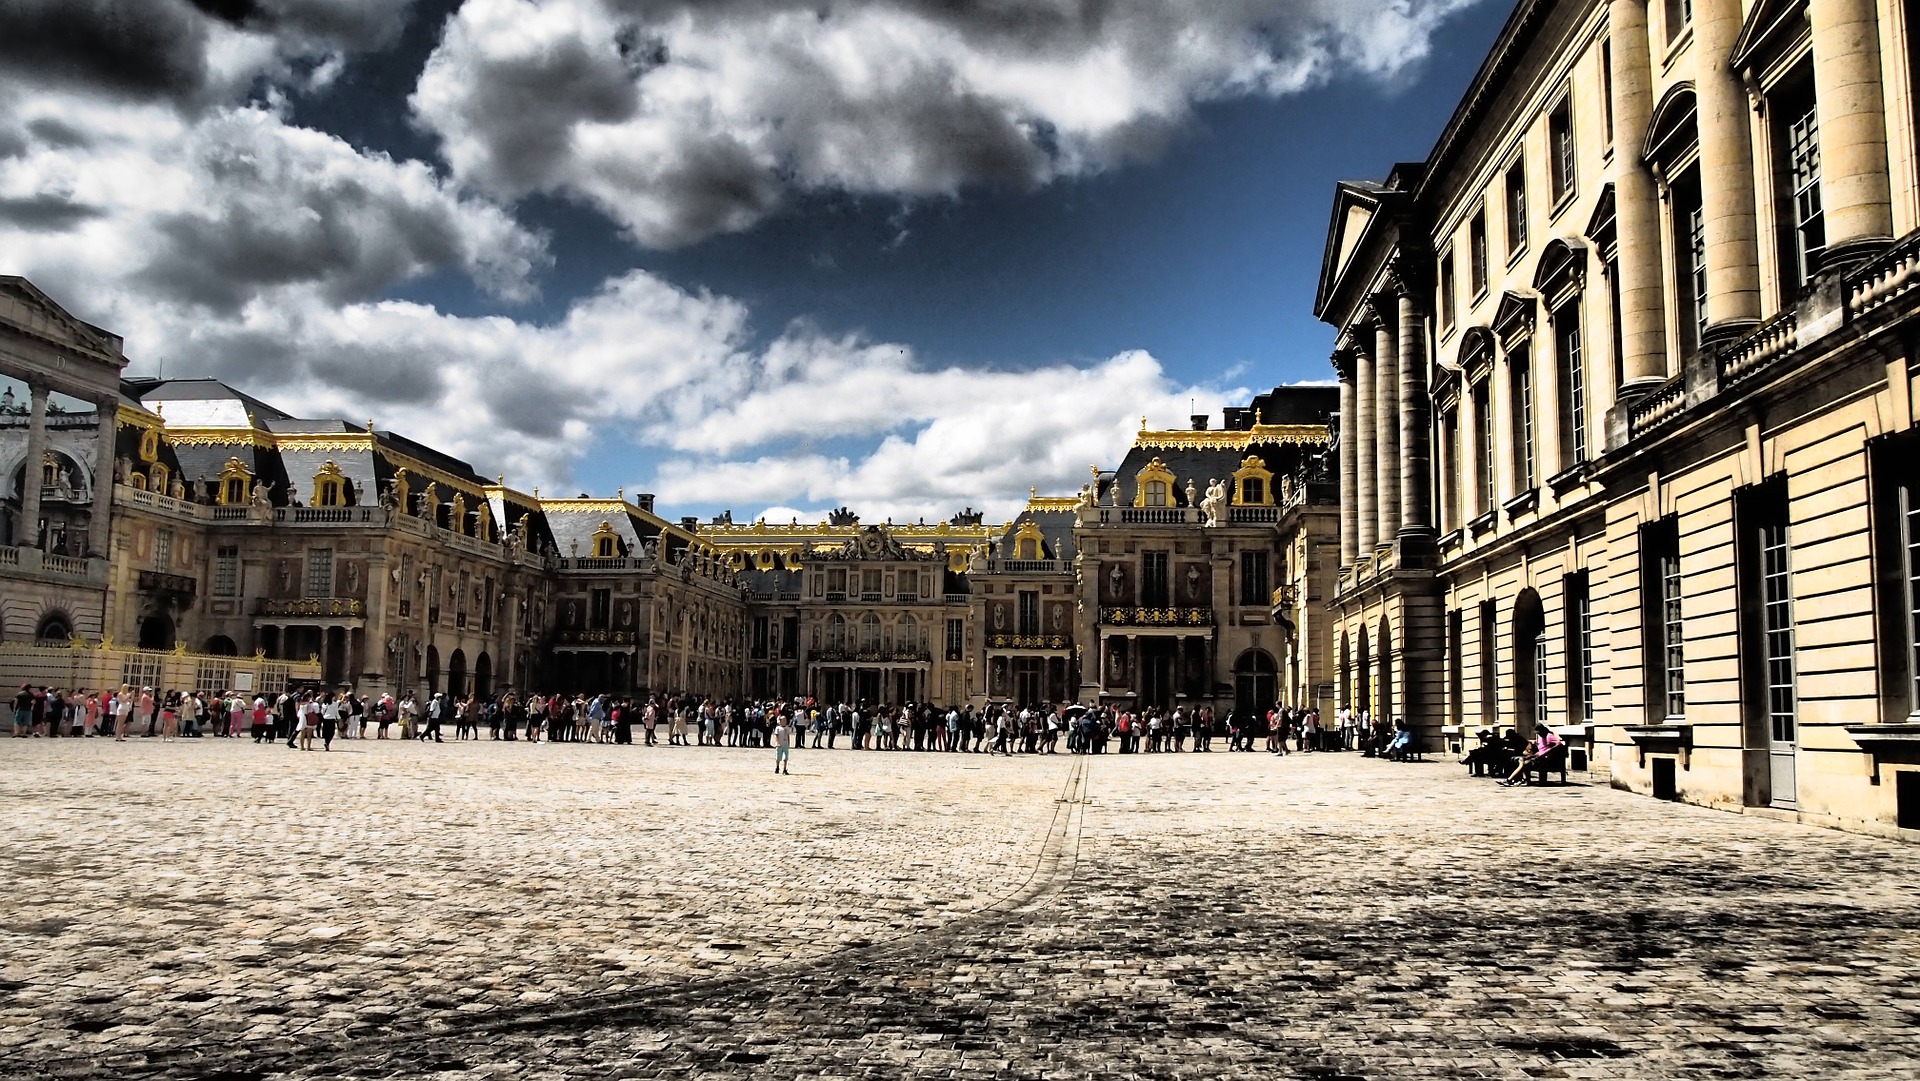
x: 216, y: 909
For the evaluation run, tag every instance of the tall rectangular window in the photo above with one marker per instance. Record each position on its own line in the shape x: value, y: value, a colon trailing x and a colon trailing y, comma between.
x: 1525, y: 456
x: 1449, y: 470
x: 1477, y: 255
x: 1776, y: 599
x: 1679, y: 17
x: 600, y: 612
x: 1483, y: 451
x: 1446, y: 291
x: 762, y: 638
x: 1456, y: 674
x: 1579, y: 615
x: 1254, y: 589
x: 1029, y: 612
x: 956, y: 639
x: 226, y: 572
x: 1153, y: 580
x: 1690, y: 261
x: 1564, y: 163
x: 1606, y: 87
x: 1803, y: 228
x: 320, y: 572
x: 1573, y: 384
x: 163, y: 548
x: 1517, y: 206
x: 1489, y: 674
x: 1661, y: 617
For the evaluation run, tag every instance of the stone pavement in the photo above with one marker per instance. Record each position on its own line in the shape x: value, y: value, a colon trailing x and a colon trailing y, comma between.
x: 214, y: 909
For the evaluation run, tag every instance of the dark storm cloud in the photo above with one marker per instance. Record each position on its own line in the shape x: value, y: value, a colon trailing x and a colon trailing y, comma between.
x: 136, y: 48
x: 276, y: 208
x: 158, y: 49
x: 45, y: 213
x: 684, y: 118
x: 531, y: 104
x: 58, y: 134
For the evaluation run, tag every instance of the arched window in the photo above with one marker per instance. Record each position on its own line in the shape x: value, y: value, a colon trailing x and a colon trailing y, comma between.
x: 157, y: 474
x: 1154, y: 485
x: 234, y: 483
x: 909, y: 638
x: 836, y: 632
x: 870, y: 633
x: 329, y: 488
x: 606, y: 543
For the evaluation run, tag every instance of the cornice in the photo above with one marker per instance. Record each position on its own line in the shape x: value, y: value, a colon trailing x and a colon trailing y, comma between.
x: 1233, y: 439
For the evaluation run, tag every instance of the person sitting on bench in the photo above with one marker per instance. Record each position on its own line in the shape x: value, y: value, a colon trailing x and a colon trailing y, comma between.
x: 1487, y: 759
x: 1545, y: 742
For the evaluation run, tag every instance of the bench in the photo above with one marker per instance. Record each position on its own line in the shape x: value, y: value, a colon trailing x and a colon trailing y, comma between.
x: 1554, y: 761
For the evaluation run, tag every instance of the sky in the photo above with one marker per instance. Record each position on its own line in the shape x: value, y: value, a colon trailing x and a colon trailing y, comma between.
x: 766, y: 256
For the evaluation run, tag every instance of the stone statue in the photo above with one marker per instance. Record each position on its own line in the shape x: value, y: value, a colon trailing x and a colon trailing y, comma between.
x: 1086, y: 498
x: 260, y: 499
x: 122, y: 469
x: 389, y: 498
x: 177, y: 489
x: 293, y: 494
x: 1193, y: 495
x: 977, y: 560
x: 1215, y: 505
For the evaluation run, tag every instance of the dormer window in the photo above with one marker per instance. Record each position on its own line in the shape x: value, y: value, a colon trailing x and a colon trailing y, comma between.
x: 157, y: 477
x: 1156, y: 493
x: 1253, y: 491
x: 606, y: 543
x: 329, y: 487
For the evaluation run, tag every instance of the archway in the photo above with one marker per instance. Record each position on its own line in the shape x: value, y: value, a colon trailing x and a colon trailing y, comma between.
x: 1254, y: 688
x: 1346, y: 671
x: 457, y: 674
x: 483, y: 676
x: 54, y: 626
x: 222, y: 646
x: 1529, y: 662
x: 433, y: 670
x: 1386, y: 670
x: 1363, y: 673
x: 156, y: 632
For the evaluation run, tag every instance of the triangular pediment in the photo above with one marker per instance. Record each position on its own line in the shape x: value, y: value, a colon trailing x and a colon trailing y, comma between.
x: 31, y: 311
x: 1769, y: 25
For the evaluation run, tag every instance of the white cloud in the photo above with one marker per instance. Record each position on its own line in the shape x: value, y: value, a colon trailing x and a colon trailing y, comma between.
x: 683, y: 119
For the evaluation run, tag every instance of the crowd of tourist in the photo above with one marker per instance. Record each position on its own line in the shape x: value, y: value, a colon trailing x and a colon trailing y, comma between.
x: 314, y: 718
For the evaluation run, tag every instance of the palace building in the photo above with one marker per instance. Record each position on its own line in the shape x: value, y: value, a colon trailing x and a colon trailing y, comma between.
x: 185, y: 515
x: 1627, y: 405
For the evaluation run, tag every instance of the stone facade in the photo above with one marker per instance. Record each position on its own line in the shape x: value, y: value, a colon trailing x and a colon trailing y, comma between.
x: 236, y: 528
x: 1655, y: 283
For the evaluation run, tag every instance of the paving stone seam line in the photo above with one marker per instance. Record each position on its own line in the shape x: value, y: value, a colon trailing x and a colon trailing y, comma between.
x: 1053, y: 868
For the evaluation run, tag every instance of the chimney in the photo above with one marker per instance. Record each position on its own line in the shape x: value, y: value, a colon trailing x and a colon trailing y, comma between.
x: 1199, y: 422
x: 644, y: 501
x: 690, y: 523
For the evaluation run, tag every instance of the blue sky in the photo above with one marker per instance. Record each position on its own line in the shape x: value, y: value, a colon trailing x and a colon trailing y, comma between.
x: 738, y: 274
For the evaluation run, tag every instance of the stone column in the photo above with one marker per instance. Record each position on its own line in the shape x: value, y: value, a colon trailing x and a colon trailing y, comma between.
x: 1386, y: 421
x: 1349, y: 462
x: 1368, y: 516
x: 1416, y: 425
x: 1854, y: 184
x: 1642, y: 312
x: 1726, y: 172
x: 100, y: 514
x: 28, y: 535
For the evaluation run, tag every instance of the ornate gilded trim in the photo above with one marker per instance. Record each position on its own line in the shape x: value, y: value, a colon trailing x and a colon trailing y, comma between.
x: 1233, y: 439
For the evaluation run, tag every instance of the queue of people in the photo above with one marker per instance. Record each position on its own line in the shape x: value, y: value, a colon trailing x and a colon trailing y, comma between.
x: 310, y: 718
